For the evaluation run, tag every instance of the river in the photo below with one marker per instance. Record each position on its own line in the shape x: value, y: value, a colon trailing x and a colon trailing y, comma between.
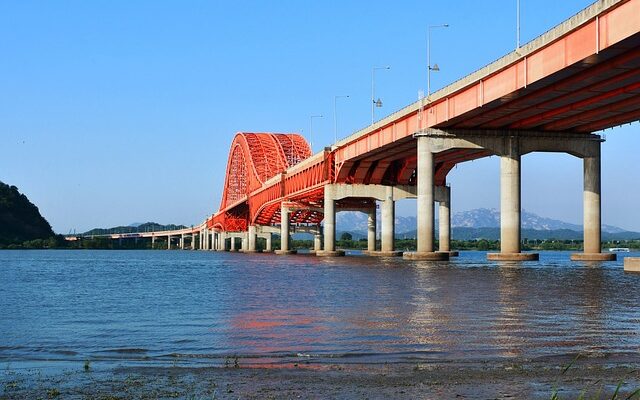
x: 194, y: 307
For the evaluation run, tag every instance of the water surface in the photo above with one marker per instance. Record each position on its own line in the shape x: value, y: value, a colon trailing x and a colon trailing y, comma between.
x: 199, y: 307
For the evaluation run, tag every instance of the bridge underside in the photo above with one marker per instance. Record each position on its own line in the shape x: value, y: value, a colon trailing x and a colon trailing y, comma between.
x: 599, y: 92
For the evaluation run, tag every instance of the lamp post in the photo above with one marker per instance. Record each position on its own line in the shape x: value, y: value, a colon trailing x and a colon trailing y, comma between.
x: 311, y: 130
x: 335, y: 117
x: 429, y: 66
x: 517, y: 24
x: 375, y: 103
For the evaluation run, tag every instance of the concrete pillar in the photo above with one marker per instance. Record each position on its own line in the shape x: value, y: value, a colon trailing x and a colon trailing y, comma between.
x: 371, y: 230
x: 193, y: 241
x: 444, y: 207
x: 153, y: 242
x: 233, y: 243
x: 168, y: 242
x: 510, y: 203
x: 251, y: 239
x: 284, y: 229
x: 388, y: 212
x: 592, y: 211
x: 510, y: 206
x: 329, y: 220
x: 268, y: 245
x: 205, y: 246
x: 592, y: 208
x: 329, y: 225
x: 285, y: 234
x: 182, y: 241
x: 317, y: 242
x: 425, y: 205
x: 223, y: 241
x: 425, y: 196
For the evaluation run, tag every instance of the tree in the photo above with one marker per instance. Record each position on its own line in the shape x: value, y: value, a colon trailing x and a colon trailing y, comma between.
x: 346, y: 236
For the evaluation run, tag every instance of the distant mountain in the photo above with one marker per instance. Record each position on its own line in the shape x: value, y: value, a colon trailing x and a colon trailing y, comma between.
x: 490, y: 218
x: 463, y: 233
x: 20, y: 220
x: 146, y: 227
x: 483, y: 223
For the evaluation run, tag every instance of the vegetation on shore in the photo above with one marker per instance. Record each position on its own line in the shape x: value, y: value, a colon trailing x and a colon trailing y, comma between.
x: 106, y: 243
x: 21, y: 225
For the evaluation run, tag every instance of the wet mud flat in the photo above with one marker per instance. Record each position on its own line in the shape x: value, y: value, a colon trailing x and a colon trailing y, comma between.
x: 566, y: 377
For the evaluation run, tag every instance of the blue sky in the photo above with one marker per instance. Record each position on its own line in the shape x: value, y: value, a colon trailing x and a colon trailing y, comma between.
x: 113, y: 112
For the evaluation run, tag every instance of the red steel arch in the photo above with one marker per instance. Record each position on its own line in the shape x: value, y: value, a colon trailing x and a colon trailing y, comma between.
x: 254, y: 158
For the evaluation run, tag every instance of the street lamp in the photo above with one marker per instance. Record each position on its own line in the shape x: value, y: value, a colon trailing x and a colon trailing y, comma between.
x: 311, y: 130
x: 429, y: 66
x: 375, y: 103
x: 335, y: 117
x: 517, y: 24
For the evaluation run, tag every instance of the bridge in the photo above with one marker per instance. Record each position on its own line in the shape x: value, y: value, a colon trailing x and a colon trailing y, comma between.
x: 549, y: 95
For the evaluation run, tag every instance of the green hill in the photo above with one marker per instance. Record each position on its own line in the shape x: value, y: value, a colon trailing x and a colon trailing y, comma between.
x: 146, y: 227
x: 20, y: 220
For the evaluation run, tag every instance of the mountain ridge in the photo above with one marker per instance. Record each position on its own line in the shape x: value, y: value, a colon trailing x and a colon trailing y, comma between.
x: 484, y: 223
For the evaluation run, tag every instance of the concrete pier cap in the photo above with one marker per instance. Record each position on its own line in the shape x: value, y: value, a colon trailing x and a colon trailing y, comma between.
x: 594, y: 257
x: 513, y: 256
x: 285, y: 252
x: 426, y: 256
x: 632, y: 264
x: 330, y: 253
x: 383, y: 253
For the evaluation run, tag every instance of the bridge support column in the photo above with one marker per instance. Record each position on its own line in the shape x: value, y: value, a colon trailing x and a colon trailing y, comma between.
x: 244, y: 245
x: 251, y: 239
x: 317, y: 242
x: 193, y: 241
x: 182, y: 241
x: 329, y: 225
x: 387, y: 239
x: 153, y: 242
x: 168, y: 242
x: 443, y: 197
x: 388, y: 222
x: 284, y: 232
x: 268, y: 244
x: 371, y: 230
x: 425, y: 205
x: 510, y: 197
x: 591, y: 213
x: 233, y: 244
x: 223, y: 241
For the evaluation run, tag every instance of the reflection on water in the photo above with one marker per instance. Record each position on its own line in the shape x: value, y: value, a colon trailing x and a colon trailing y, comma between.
x: 148, y: 306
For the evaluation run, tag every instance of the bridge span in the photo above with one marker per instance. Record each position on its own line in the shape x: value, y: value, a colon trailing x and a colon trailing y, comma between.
x: 549, y: 95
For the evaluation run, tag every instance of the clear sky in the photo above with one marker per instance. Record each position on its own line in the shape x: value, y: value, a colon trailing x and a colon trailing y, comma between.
x: 115, y: 112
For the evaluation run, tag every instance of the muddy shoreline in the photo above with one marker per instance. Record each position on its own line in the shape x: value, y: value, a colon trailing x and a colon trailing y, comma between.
x: 597, y: 378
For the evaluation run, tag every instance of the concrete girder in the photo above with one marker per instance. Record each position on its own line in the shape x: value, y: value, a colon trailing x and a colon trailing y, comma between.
x: 500, y: 143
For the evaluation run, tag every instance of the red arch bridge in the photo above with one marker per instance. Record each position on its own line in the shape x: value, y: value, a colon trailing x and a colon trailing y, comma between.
x: 550, y: 95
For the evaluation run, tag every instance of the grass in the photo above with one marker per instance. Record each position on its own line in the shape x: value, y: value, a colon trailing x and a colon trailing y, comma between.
x: 598, y: 394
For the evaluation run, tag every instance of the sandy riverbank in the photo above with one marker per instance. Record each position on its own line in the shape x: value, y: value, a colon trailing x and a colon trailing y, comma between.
x: 529, y: 379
